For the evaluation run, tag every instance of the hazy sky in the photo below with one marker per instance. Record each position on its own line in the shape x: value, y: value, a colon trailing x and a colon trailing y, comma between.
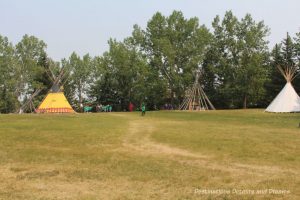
x: 84, y: 26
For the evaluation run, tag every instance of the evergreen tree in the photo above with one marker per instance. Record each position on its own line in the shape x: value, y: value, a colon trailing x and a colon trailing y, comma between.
x: 296, y: 81
x: 277, y: 81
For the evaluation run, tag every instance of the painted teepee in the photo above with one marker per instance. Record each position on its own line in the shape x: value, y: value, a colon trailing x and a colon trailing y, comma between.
x: 195, y: 97
x: 287, y: 100
x: 55, y: 101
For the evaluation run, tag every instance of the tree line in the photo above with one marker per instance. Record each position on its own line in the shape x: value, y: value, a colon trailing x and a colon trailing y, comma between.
x: 156, y: 65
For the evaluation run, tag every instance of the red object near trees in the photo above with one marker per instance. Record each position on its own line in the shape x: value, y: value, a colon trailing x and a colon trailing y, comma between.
x: 130, y: 107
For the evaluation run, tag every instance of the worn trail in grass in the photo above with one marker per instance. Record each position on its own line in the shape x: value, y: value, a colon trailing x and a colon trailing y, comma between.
x: 165, y: 155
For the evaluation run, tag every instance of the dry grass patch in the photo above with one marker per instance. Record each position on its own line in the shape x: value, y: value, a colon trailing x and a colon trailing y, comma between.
x: 165, y: 155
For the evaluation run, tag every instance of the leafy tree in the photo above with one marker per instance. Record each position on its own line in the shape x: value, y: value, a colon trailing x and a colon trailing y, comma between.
x: 253, y: 61
x: 77, y: 77
x: 122, y: 76
x: 67, y: 83
x: 238, y: 58
x: 49, y: 71
x: 30, y: 52
x: 221, y: 61
x: 8, y: 77
x: 175, y: 48
x: 155, y: 65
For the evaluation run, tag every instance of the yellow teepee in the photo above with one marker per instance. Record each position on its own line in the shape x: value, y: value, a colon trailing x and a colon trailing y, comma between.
x: 55, y: 102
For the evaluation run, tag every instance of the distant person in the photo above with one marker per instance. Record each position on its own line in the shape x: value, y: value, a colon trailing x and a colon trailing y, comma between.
x: 110, y: 108
x: 131, y: 107
x: 143, y: 109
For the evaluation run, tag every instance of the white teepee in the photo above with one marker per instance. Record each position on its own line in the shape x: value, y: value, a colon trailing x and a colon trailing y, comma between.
x: 287, y: 100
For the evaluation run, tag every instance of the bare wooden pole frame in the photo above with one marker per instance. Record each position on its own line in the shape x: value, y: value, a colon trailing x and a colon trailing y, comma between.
x: 195, y: 97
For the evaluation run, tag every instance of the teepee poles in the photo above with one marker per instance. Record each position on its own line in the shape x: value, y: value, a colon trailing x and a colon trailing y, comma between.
x: 289, y: 72
x: 208, y: 101
x: 29, y: 102
x: 195, y: 97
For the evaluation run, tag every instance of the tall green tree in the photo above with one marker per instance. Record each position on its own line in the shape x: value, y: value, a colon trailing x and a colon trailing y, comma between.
x: 252, y: 72
x: 237, y: 61
x: 78, y: 71
x: 30, y: 52
x: 8, y: 77
x: 277, y: 81
x: 221, y: 61
x: 175, y: 48
x: 123, y: 76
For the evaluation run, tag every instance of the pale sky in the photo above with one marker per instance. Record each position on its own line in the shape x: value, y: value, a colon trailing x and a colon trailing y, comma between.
x: 85, y: 26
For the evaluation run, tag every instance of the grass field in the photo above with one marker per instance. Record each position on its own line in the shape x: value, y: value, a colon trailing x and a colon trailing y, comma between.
x: 164, y: 155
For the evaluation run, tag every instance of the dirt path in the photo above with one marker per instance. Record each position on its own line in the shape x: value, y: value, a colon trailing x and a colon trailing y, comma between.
x: 138, y: 139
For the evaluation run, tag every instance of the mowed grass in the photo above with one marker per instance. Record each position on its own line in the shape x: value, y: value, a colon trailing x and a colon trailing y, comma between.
x: 164, y: 155
x: 248, y: 136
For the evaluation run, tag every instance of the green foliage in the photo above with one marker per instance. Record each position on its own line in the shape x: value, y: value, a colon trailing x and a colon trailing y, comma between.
x: 156, y: 65
x: 175, y: 48
x: 284, y: 54
x: 122, y: 76
x: 30, y: 51
x: 8, y: 77
x: 237, y: 61
x: 77, y: 78
x: 32, y: 65
x: 296, y: 82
